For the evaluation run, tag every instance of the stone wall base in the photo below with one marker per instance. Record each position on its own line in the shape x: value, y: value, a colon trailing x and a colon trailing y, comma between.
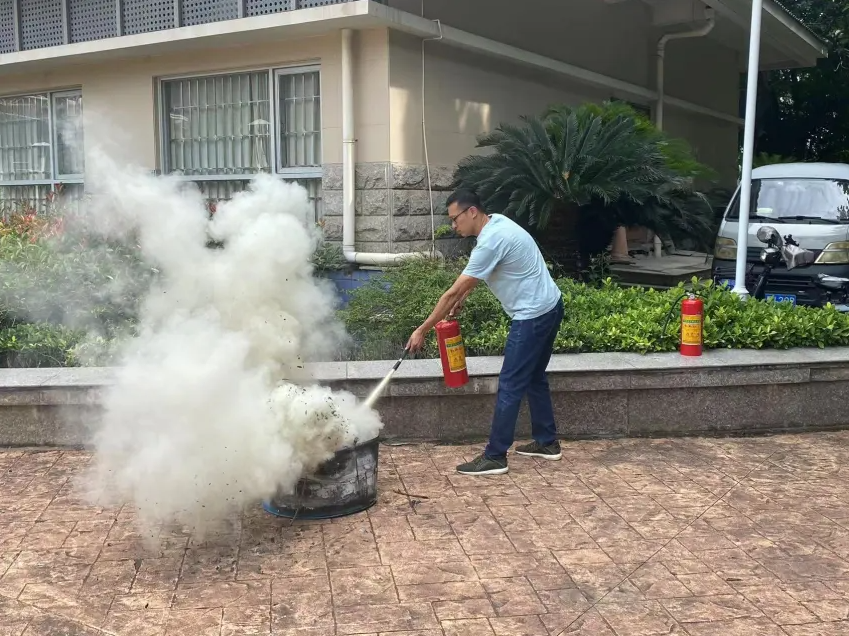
x: 393, y: 205
x: 596, y: 396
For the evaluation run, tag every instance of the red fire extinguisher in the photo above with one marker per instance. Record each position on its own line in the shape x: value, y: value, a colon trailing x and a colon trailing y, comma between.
x: 452, y: 352
x: 692, y: 326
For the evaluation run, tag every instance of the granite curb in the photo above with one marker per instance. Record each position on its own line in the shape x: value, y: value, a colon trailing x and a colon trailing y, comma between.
x: 603, y: 395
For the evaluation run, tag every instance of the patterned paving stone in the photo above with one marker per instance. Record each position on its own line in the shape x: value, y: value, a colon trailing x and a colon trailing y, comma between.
x: 697, y: 537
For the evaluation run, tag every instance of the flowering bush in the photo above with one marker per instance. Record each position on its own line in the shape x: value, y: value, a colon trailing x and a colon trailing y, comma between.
x: 29, y: 226
x: 60, y: 286
x: 66, y: 295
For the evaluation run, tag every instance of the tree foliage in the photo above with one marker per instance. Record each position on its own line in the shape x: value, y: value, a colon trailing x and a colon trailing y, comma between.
x: 804, y: 112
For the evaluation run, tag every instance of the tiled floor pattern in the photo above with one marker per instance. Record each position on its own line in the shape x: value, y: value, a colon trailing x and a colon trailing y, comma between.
x: 629, y: 538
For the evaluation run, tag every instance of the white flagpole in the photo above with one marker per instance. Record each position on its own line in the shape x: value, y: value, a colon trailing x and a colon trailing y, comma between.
x: 748, y: 148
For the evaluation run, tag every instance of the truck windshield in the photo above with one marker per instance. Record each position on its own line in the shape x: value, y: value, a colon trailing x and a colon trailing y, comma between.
x: 796, y: 200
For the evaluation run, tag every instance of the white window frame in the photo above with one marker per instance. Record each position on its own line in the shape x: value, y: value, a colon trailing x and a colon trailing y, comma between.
x: 56, y: 179
x: 273, y: 72
x: 304, y: 172
x: 54, y: 137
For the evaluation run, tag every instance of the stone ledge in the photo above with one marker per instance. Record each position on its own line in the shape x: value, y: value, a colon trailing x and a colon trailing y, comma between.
x: 594, y: 395
x: 658, y: 370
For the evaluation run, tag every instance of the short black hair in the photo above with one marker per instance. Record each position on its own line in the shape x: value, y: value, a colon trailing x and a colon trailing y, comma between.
x: 465, y: 197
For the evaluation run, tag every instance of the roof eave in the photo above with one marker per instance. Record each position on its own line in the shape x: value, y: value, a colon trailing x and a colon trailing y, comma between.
x: 800, y: 46
x: 308, y: 22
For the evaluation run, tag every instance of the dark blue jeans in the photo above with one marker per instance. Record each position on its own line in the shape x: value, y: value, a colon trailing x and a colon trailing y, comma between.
x: 526, y: 356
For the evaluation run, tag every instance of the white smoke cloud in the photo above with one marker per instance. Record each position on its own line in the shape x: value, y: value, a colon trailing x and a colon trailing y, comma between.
x: 212, y: 407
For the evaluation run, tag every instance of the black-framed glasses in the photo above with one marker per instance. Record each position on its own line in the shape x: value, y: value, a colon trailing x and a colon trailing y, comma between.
x: 453, y: 219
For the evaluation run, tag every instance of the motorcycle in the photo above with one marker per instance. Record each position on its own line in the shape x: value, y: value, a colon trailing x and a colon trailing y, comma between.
x: 788, y: 251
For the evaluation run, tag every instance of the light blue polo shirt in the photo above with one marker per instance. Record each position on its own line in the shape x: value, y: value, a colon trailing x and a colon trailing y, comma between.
x: 509, y: 261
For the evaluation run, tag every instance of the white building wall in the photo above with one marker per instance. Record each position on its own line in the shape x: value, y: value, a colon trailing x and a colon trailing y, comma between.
x: 466, y: 95
x: 120, y: 110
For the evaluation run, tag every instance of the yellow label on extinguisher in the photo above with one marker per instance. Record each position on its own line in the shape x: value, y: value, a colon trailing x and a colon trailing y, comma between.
x: 456, y: 353
x: 691, y: 330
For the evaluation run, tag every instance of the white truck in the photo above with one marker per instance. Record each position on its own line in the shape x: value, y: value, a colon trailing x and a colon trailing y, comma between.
x: 807, y: 201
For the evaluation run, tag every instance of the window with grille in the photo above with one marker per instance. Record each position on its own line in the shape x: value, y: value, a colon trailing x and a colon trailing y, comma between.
x: 299, y: 119
x: 25, y: 138
x: 218, y: 125
x: 68, y: 133
x: 41, y: 140
x: 243, y: 123
x: 220, y: 130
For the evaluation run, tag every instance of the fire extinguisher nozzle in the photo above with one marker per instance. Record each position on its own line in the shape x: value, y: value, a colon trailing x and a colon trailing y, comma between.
x: 401, y: 359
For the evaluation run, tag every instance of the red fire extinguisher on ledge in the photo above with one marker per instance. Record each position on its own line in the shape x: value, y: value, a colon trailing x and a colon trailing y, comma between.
x: 452, y: 352
x: 692, y: 326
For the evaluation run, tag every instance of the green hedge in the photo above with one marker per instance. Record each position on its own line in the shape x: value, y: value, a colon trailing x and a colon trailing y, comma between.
x: 59, y: 281
x: 382, y: 314
x: 67, y: 295
x: 606, y: 317
x: 38, y: 345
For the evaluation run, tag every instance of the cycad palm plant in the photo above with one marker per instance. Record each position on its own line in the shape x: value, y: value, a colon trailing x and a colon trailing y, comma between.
x: 574, y: 175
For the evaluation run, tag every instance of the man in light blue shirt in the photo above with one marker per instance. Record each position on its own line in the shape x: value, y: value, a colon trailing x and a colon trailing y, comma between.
x: 508, y: 260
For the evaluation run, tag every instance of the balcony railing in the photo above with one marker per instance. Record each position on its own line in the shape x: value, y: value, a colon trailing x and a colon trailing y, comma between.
x: 36, y: 24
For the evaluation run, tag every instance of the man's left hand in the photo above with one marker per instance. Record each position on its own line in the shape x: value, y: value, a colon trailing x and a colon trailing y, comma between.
x: 416, y: 341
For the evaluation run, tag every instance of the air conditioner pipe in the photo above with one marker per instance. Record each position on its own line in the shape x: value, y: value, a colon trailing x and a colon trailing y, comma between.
x: 661, y: 55
x: 349, y: 218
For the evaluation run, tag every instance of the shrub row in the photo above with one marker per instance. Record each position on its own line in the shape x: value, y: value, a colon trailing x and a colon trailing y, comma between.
x: 38, y: 345
x: 598, y: 318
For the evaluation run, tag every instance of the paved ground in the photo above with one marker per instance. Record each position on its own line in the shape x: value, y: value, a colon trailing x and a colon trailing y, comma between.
x: 726, y: 537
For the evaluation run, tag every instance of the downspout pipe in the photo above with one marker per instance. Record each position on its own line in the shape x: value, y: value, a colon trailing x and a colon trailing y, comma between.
x: 661, y: 56
x: 349, y: 218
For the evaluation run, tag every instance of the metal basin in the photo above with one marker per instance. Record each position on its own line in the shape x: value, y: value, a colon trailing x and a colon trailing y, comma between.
x: 343, y: 485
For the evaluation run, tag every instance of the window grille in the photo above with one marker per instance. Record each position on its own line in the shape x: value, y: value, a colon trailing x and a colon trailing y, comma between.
x: 203, y: 11
x: 68, y: 129
x: 41, y: 23
x: 236, y: 124
x: 144, y: 16
x: 220, y: 130
x: 40, y: 198
x: 25, y: 138
x: 299, y: 119
x: 264, y: 7
x: 223, y: 190
x: 306, y: 4
x: 92, y: 20
x: 7, y: 26
x: 218, y: 125
x: 45, y: 23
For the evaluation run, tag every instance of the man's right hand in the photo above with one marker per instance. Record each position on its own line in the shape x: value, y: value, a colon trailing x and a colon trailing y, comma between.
x: 416, y: 341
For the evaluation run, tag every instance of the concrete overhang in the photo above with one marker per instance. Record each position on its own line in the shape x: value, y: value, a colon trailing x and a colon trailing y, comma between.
x: 286, y: 25
x: 318, y: 21
x: 785, y: 41
x: 793, y: 44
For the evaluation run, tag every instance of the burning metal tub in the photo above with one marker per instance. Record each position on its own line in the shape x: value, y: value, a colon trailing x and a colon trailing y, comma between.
x: 343, y: 485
